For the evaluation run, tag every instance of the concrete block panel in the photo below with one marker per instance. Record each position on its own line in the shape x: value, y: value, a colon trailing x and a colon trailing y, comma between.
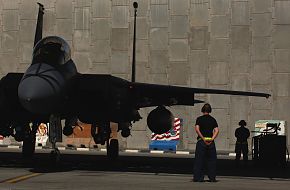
x: 198, y: 61
x: 158, y: 61
x: 199, y: 14
x: 120, y: 39
x: 142, y: 50
x: 82, y: 18
x: 261, y: 6
x: 83, y: 61
x: 240, y: 61
x: 180, y: 7
x: 218, y: 73
x: 262, y: 72
x: 219, y: 50
x: 64, y: 9
x: 199, y: 38
x: 158, y: 78
x: 240, y: 13
x: 262, y: 24
x: 178, y: 73
x: 64, y: 28
x: 281, y: 108
x: 142, y: 72
x: 100, y: 51
x: 101, y: 8
x: 198, y: 80
x: 241, y: 37
x: 281, y: 84
x: 81, y: 40
x: 101, y: 29
x: 100, y: 68
x: 158, y: 39
x: 179, y: 27
x: 159, y: 2
x: 11, y: 4
x: 27, y: 30
x: 282, y: 13
x: 120, y: 17
x: 241, y: 82
x: 82, y: 3
x: 11, y: 62
x: 262, y: 103
x: 142, y: 28
x: 26, y: 52
x: 143, y: 8
x: 178, y: 50
x: 120, y: 62
x: 29, y: 9
x: 10, y: 20
x: 281, y: 60
x: 219, y: 101
x: 280, y: 36
x: 138, y: 140
x: 219, y: 26
x: 261, y: 49
x: 120, y: 2
x: 10, y: 41
x: 48, y: 4
x: 219, y: 7
x: 49, y: 22
x: 159, y: 15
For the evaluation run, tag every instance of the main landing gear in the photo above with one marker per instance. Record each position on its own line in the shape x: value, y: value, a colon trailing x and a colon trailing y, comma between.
x: 55, y: 135
x: 28, y: 147
x: 105, y: 133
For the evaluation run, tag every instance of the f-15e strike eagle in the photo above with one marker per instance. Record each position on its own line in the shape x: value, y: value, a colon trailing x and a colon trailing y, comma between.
x: 51, y: 90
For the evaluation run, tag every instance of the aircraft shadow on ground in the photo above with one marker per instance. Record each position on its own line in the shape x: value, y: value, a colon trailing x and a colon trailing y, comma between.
x: 40, y: 163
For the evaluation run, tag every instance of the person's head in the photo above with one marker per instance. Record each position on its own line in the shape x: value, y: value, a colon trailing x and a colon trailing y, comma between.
x: 206, y: 108
x: 242, y: 123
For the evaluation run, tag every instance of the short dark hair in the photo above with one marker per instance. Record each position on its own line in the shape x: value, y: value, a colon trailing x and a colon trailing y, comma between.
x: 242, y: 123
x: 206, y: 108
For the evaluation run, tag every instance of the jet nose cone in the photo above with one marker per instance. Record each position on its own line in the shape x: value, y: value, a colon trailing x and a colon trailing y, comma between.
x: 38, y: 95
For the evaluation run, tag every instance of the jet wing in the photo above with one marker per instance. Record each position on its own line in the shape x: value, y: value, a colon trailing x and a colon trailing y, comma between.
x: 153, y: 94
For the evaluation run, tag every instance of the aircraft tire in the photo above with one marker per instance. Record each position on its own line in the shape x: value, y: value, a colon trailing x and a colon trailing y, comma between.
x: 55, y: 156
x: 28, y: 147
x: 113, y: 149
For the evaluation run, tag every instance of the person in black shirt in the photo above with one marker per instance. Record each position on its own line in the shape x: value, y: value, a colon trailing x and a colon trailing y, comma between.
x: 242, y: 134
x: 207, y: 129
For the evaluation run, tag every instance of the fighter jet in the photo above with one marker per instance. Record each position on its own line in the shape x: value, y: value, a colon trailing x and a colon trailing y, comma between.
x: 52, y: 90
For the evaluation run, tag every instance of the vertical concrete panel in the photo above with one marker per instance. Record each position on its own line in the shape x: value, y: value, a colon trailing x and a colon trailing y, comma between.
x: 159, y: 15
x: 10, y: 41
x: 158, y: 61
x: 219, y: 49
x: 28, y: 9
x: 240, y: 13
x: 27, y: 30
x: 261, y: 49
x: 218, y: 72
x: 261, y: 6
x: 282, y: 13
x: 178, y: 73
x: 280, y: 36
x: 219, y: 7
x: 101, y: 8
x: 120, y: 62
x: 262, y: 24
x: 261, y: 73
x: 178, y: 50
x: 158, y: 39
x: 281, y: 60
x: 100, y: 51
x: 198, y: 61
x: 120, y: 17
x: 199, y: 38
x: 101, y: 29
x: 241, y: 82
x: 179, y: 7
x: 10, y: 20
x: 64, y: 28
x: 142, y: 28
x: 64, y: 9
x: 199, y: 14
x: 83, y: 61
x: 179, y: 27
x: 240, y: 61
x: 240, y: 37
x: 281, y: 85
x: 81, y: 40
x: 119, y: 39
x: 82, y: 18
x: 262, y: 103
x: 219, y: 26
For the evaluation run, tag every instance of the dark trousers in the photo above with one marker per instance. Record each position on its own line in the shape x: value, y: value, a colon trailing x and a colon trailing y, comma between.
x: 242, y: 148
x: 205, y: 158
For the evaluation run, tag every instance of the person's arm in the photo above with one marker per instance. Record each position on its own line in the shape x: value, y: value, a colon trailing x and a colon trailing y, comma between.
x: 198, y: 132
x: 215, y: 133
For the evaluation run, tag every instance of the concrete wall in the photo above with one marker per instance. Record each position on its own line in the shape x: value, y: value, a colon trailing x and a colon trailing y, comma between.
x: 224, y: 44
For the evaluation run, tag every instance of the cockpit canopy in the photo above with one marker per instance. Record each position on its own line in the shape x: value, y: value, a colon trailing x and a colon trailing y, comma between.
x: 52, y: 50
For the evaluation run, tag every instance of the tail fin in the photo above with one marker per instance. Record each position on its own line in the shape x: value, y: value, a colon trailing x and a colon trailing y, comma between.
x: 135, y: 5
x: 39, y: 25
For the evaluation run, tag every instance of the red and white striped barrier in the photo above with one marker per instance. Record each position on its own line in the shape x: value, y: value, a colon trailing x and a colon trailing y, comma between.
x: 172, y: 134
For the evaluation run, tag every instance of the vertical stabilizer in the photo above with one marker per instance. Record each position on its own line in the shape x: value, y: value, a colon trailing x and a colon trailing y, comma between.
x: 135, y: 5
x: 39, y: 25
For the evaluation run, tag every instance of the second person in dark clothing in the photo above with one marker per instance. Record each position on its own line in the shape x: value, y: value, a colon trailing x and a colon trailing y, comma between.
x: 206, y: 128
x: 242, y: 134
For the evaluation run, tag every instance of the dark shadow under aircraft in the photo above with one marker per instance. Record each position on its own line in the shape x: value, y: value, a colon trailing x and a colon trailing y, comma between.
x: 52, y: 90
